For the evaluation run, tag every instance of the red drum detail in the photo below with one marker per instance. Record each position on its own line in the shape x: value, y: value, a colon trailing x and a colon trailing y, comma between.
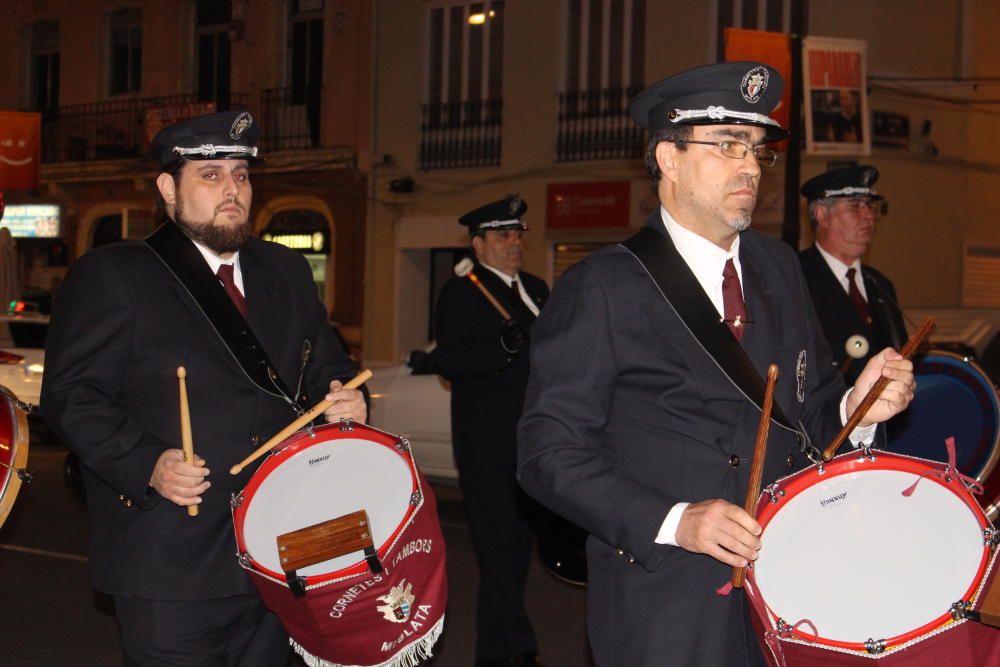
x: 13, y: 450
x: 349, y: 616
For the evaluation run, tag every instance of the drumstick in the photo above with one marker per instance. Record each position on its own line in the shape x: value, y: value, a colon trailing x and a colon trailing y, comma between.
x: 759, y: 450
x: 464, y: 270
x: 304, y: 419
x: 866, y: 403
x: 186, y: 441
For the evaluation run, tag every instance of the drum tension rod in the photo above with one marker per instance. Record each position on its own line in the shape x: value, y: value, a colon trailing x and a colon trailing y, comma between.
x: 23, y: 474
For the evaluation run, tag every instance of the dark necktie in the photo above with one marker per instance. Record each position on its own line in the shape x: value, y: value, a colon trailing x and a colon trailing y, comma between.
x: 860, y: 304
x: 733, y: 308
x: 515, y: 292
x: 225, y: 275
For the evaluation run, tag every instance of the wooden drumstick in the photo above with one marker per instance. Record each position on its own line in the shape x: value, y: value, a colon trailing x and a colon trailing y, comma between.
x: 187, y: 443
x: 866, y: 403
x: 304, y: 419
x: 464, y: 270
x: 759, y: 450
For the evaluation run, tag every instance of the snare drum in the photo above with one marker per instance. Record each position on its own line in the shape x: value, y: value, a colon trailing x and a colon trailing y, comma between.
x: 954, y: 398
x: 349, y: 615
x: 873, y: 571
x: 13, y: 450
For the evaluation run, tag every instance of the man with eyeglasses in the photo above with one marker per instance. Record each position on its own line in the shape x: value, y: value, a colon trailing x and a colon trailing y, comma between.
x: 646, y: 377
x: 856, y: 304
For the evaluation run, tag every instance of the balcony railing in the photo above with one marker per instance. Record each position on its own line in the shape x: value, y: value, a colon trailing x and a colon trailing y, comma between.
x: 117, y: 129
x: 595, y: 125
x: 461, y: 134
x: 290, y: 118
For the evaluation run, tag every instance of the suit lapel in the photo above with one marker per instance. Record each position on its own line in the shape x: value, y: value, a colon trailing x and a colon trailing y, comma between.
x: 504, y: 294
x: 763, y: 330
x: 265, y: 310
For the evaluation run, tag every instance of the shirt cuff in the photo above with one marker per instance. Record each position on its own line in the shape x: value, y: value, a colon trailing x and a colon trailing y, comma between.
x: 862, y: 435
x: 668, y: 531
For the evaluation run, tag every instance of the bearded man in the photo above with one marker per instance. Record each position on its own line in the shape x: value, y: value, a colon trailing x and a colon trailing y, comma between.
x: 241, y: 315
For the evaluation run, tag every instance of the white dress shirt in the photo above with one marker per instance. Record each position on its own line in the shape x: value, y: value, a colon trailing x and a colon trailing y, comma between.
x: 507, y: 280
x: 840, y: 271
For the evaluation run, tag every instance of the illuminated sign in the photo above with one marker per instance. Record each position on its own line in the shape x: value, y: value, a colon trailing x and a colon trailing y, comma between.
x: 314, y: 242
x: 39, y: 221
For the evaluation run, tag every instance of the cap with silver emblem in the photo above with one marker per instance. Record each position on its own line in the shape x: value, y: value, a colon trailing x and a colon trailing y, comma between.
x: 856, y: 182
x: 502, y: 214
x: 733, y: 93
x: 228, y: 135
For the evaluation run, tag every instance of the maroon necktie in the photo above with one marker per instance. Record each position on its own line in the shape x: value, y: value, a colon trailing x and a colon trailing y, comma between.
x: 733, y: 308
x: 225, y: 275
x: 860, y: 304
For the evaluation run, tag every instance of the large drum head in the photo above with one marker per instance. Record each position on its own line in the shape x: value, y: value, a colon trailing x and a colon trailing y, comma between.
x: 13, y: 450
x: 318, y: 478
x: 850, y: 553
x: 954, y: 397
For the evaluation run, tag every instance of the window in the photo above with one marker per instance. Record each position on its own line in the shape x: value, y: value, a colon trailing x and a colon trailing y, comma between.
x: 605, y: 58
x: 462, y: 114
x: 44, y: 92
x: 212, y: 20
x: 125, y: 65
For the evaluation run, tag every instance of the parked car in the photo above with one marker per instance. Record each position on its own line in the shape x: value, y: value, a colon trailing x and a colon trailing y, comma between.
x: 22, y: 362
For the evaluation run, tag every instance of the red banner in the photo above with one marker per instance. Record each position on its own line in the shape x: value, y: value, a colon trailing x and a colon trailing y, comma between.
x: 773, y: 48
x: 576, y: 205
x: 20, y: 150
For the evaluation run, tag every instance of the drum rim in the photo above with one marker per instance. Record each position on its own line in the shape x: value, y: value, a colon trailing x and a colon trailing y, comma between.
x: 19, y: 458
x: 291, y: 446
x: 847, y: 463
x: 994, y: 457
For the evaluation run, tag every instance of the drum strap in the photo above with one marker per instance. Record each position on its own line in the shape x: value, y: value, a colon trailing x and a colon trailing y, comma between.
x: 684, y: 294
x: 186, y: 264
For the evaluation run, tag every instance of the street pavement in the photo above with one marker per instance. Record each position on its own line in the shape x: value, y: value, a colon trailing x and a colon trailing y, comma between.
x: 49, y: 615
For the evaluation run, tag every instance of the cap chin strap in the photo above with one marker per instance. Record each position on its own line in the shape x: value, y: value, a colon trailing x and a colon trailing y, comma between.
x: 211, y: 150
x: 848, y: 191
x: 720, y: 113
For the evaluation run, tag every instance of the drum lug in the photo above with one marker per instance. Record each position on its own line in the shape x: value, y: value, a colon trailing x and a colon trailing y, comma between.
x: 875, y: 647
x: 991, y: 537
x: 244, y: 559
x: 773, y: 491
x: 961, y: 610
x: 416, y: 497
x: 403, y: 445
x: 346, y: 424
x: 866, y: 453
x: 236, y: 500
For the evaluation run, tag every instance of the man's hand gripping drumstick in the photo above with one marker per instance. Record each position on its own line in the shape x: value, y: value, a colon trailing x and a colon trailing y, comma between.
x: 889, y: 375
x: 179, y: 475
x: 334, y: 407
x: 759, y: 451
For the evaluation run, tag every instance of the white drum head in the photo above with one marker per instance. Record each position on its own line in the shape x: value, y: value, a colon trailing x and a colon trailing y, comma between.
x: 861, y: 561
x: 322, y: 482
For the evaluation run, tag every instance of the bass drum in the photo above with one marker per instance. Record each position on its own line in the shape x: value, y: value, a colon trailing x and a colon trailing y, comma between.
x: 13, y: 450
x: 954, y: 398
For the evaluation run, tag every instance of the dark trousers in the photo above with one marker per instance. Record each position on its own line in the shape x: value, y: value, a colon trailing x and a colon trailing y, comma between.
x: 224, y: 632
x: 503, y: 539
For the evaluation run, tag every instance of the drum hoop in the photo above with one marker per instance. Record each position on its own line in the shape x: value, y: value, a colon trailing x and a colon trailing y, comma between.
x: 852, y: 462
x: 294, y: 444
x: 19, y: 458
x: 994, y: 457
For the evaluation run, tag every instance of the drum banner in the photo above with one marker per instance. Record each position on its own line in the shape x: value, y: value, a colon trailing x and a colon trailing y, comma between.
x: 389, y: 619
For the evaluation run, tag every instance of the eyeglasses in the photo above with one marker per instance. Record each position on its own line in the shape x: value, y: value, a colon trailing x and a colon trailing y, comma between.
x: 738, y: 150
x: 859, y: 206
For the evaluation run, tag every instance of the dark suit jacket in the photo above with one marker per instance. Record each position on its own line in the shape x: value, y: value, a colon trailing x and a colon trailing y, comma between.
x: 626, y: 415
x: 840, y: 320
x: 487, y: 390
x: 121, y: 326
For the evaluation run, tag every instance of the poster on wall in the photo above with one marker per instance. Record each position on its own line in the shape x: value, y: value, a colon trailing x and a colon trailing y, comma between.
x: 835, y: 96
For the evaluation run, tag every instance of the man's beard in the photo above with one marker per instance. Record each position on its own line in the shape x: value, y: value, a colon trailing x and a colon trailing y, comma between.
x: 740, y: 223
x: 220, y: 239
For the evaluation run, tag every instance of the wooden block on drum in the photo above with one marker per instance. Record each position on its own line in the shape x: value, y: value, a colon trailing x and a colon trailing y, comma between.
x: 989, y: 609
x: 323, y: 541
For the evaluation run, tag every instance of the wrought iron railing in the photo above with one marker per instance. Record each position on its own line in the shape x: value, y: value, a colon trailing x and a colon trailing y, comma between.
x: 117, y: 129
x: 595, y: 125
x: 290, y: 118
x: 461, y: 134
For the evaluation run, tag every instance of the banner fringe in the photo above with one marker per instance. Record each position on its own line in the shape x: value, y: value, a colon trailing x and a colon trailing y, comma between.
x: 410, y: 656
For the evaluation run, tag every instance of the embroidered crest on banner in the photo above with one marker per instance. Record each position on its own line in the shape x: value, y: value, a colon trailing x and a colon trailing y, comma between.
x: 398, y: 602
x: 240, y: 125
x: 800, y: 377
x: 754, y: 84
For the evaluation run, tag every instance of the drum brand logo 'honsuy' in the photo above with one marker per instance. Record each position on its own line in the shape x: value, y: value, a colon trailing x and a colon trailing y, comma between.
x: 398, y: 602
x: 839, y: 496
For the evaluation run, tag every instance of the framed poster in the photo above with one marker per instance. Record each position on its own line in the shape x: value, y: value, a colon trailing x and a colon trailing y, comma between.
x: 835, y: 96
